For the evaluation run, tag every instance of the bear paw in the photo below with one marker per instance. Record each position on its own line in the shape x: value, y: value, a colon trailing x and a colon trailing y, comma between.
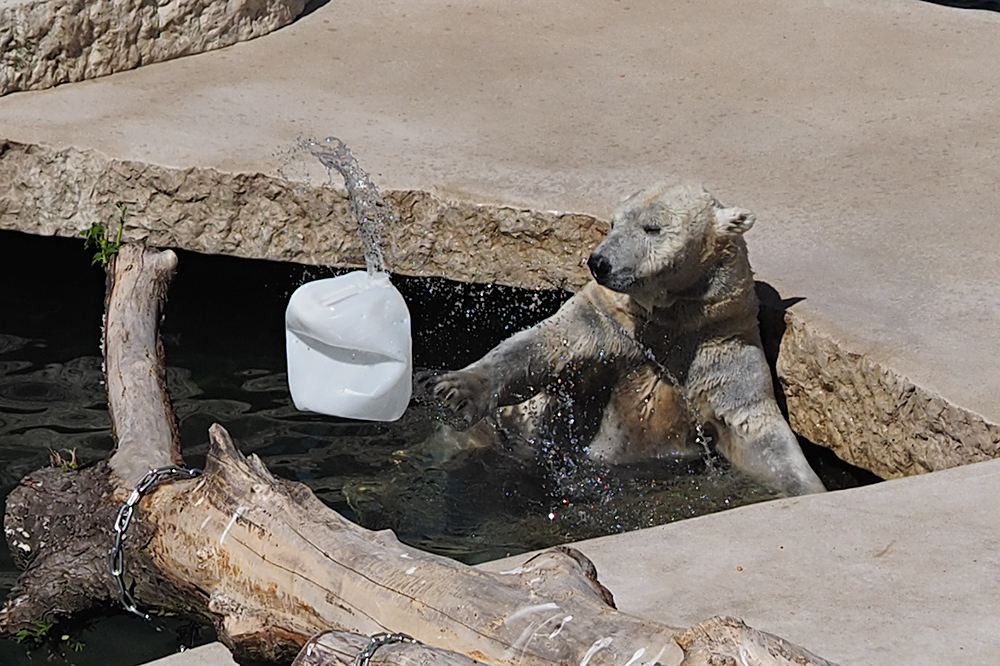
x: 463, y: 392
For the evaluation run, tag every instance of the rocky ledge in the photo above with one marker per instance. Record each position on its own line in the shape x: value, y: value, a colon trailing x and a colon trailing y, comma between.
x: 47, y: 42
x: 866, y: 412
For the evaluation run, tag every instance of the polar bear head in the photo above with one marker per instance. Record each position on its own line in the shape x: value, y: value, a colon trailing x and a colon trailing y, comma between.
x: 664, y: 242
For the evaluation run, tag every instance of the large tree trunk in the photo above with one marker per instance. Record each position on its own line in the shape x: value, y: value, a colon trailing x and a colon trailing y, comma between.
x: 271, y: 567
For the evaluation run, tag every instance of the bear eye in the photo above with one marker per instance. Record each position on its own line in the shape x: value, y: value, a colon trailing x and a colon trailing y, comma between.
x: 652, y: 229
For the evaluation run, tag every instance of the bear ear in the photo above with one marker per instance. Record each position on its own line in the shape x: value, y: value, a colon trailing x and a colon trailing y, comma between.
x: 733, y: 220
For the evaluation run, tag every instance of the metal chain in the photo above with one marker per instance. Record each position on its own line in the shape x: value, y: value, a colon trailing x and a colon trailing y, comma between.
x: 364, y: 657
x: 116, y: 559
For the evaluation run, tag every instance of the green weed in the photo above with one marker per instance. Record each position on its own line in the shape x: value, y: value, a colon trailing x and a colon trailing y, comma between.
x: 104, y: 241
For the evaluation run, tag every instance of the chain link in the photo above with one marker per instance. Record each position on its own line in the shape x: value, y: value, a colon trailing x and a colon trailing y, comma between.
x: 376, y: 641
x: 116, y: 556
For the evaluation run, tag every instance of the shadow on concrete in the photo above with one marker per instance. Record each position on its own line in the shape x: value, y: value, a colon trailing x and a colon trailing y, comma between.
x: 989, y: 5
x: 772, y: 330
x: 836, y: 473
x: 311, y: 6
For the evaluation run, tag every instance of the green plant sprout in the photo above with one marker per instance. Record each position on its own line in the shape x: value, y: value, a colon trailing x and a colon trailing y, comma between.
x: 35, y: 635
x: 65, y: 464
x: 72, y: 642
x: 99, y: 237
x: 40, y: 635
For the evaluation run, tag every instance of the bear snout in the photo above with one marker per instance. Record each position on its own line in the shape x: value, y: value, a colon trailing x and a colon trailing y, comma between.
x: 600, y: 267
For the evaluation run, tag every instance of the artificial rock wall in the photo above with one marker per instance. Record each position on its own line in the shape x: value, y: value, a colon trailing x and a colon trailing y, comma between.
x: 62, y: 192
x: 47, y: 42
x: 864, y: 411
x: 870, y: 415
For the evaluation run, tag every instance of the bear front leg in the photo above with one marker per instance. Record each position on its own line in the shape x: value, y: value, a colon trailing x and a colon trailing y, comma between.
x: 766, y: 449
x: 735, y: 381
x: 510, y: 373
x: 580, y: 336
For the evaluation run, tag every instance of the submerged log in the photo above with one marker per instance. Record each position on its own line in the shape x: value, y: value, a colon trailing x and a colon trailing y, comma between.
x: 271, y: 566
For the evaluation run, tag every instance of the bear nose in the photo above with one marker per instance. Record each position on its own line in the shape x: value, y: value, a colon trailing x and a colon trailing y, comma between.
x: 599, y: 266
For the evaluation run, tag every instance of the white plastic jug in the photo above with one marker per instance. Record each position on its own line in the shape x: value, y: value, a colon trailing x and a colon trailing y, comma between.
x: 349, y: 347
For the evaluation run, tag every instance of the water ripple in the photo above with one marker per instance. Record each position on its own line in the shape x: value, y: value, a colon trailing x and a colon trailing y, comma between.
x: 9, y: 343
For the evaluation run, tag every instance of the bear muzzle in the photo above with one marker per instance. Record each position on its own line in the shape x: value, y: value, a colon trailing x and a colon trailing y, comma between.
x: 599, y: 267
x: 606, y: 275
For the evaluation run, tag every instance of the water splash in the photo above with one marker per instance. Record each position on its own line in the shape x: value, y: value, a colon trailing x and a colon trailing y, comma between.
x: 369, y: 208
x: 704, y: 441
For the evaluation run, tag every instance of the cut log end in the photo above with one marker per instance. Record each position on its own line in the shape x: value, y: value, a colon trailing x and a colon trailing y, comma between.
x: 728, y: 640
x: 57, y: 525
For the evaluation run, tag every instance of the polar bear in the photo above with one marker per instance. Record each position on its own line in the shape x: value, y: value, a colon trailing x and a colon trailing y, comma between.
x: 665, y: 336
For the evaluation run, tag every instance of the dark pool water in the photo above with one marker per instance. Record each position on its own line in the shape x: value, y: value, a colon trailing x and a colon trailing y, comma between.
x: 990, y: 5
x: 224, y: 343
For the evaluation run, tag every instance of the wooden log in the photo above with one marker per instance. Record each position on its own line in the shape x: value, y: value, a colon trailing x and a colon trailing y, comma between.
x: 57, y: 525
x: 141, y: 418
x: 728, y: 640
x: 720, y: 640
x: 271, y: 555
x: 270, y: 565
x: 57, y: 522
x: 278, y: 567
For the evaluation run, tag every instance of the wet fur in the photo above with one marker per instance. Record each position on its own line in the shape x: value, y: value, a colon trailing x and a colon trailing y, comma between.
x: 672, y: 279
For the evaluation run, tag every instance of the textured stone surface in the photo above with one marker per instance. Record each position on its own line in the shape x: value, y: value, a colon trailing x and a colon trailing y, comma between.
x: 47, y: 42
x: 867, y: 413
x: 62, y: 192
x: 870, y: 415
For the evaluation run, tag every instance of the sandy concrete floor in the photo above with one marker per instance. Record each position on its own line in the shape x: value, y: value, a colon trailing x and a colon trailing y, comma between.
x: 903, y: 572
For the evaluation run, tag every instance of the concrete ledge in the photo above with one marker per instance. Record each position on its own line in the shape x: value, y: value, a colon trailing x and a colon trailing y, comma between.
x: 870, y: 415
x: 902, y: 572
x: 213, y: 654
x: 47, y: 42
x: 62, y: 192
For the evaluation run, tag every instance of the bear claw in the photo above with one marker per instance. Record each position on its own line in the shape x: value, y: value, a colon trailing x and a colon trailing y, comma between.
x: 458, y: 393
